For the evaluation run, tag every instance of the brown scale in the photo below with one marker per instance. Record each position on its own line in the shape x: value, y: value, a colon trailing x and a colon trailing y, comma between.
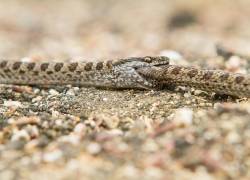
x: 30, y: 66
x: 209, y: 80
x: 44, y: 66
x: 88, y: 66
x: 58, y: 67
x: 72, y: 67
x: 99, y: 66
x: 79, y: 73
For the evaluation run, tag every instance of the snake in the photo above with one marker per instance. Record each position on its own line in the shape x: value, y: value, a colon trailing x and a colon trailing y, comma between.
x: 148, y: 72
x: 110, y: 74
x: 218, y: 81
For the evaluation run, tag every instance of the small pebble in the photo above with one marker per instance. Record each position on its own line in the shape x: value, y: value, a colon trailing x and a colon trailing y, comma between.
x: 70, y: 92
x: 233, y: 137
x: 33, y: 131
x: 129, y: 171
x: 37, y: 99
x: 19, y: 135
x: 183, y: 116
x: 233, y: 64
x: 26, y: 120
x: 52, y: 156
x: 94, y: 148
x: 80, y: 128
x: 12, y: 104
x: 53, y: 92
x: 72, y: 139
x: 171, y: 54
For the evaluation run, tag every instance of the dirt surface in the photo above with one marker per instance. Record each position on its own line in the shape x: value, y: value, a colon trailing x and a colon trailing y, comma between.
x: 87, y: 133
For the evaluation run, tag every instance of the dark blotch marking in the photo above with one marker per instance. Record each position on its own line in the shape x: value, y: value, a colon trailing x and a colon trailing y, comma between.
x: 207, y: 75
x: 6, y: 70
x: 239, y: 79
x: 192, y: 73
x: 69, y: 75
x: 224, y: 76
x: 78, y: 72
x: 9, y: 76
x: 16, y: 65
x: 72, y: 67
x: 2, y: 75
x: 36, y: 73
x: 99, y: 66
x: 3, y: 64
x: 49, y: 72
x: 44, y: 66
x: 21, y: 72
x: 88, y: 66
x: 109, y: 64
x: 75, y: 79
x: 31, y: 66
x: 58, y: 67
x: 176, y: 70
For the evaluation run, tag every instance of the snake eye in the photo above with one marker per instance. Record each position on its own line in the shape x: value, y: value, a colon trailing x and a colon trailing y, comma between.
x: 148, y: 59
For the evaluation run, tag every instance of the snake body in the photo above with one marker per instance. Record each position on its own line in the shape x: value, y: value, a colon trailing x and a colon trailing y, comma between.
x: 130, y: 73
x: 120, y: 73
x: 217, y: 81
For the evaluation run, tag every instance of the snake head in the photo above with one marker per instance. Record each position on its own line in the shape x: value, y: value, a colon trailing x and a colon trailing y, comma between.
x: 157, y: 60
x: 138, y: 62
x: 126, y: 75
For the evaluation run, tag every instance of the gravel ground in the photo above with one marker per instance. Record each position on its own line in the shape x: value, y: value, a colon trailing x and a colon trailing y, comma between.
x: 87, y: 133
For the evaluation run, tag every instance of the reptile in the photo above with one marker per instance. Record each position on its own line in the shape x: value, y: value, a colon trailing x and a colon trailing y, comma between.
x: 130, y: 73
x: 218, y: 81
x: 111, y: 74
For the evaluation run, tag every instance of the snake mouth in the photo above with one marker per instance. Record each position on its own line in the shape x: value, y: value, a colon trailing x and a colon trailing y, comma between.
x: 159, y: 61
x: 160, y: 65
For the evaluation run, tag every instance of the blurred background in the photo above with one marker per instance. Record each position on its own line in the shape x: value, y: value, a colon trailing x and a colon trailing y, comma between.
x: 53, y: 133
x: 110, y: 28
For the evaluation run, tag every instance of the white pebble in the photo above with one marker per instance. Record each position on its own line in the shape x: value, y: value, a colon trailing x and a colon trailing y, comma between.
x: 76, y: 89
x: 129, y: 172
x: 70, y: 92
x: 37, y: 99
x: 173, y: 55
x: 52, y: 156
x: 233, y: 63
x: 80, y: 128
x: 53, y: 92
x: 55, y: 114
x: 72, y: 139
x: 18, y: 135
x: 94, y: 148
x: 187, y: 95
x: 116, y: 132
x: 12, y: 104
x: 233, y: 137
x: 33, y: 131
x: 59, y: 122
x: 183, y: 116
x: 36, y: 90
